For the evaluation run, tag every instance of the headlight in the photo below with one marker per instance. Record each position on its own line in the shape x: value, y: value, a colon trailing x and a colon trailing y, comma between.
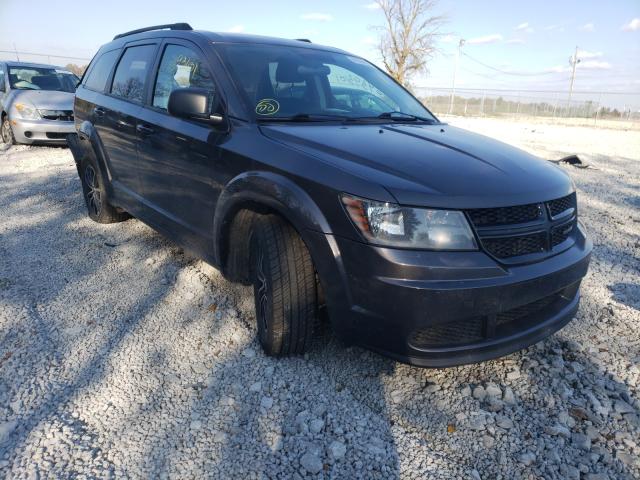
x: 28, y: 112
x: 397, y: 226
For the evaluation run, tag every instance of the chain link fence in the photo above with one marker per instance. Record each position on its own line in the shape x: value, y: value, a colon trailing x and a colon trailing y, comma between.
x: 608, y: 109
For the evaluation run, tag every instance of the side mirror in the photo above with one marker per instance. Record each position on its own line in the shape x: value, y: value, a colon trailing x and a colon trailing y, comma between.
x: 193, y: 103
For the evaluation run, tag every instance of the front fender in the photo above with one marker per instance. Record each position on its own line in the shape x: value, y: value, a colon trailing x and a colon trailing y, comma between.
x: 274, y: 192
x: 7, y: 101
x: 270, y: 190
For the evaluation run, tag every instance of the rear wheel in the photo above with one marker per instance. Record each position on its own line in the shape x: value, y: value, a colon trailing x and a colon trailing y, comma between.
x: 284, y: 287
x: 95, y: 195
x: 7, y: 132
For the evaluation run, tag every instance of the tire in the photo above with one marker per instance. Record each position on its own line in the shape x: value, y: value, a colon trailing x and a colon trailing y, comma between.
x: 95, y: 195
x: 6, y: 132
x: 238, y: 266
x: 284, y: 287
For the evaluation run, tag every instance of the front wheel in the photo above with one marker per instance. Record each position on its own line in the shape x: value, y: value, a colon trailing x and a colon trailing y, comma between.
x: 6, y: 132
x: 284, y: 286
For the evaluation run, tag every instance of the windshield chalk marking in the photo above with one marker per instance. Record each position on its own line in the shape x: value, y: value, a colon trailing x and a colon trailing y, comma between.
x: 267, y: 106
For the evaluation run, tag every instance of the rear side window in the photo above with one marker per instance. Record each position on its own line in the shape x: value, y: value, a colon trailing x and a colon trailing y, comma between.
x: 99, y: 74
x: 131, y: 75
x: 180, y: 67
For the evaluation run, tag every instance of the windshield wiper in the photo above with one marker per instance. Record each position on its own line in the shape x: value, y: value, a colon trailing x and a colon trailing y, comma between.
x: 317, y: 117
x: 305, y: 117
x: 397, y: 115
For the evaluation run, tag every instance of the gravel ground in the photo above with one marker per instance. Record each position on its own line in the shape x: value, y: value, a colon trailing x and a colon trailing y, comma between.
x: 122, y: 356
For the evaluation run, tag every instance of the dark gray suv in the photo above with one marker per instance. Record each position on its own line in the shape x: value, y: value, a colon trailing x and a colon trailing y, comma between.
x: 311, y: 174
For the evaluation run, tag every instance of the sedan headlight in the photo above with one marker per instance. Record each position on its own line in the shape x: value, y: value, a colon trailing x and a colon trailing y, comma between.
x: 28, y: 112
x: 393, y: 225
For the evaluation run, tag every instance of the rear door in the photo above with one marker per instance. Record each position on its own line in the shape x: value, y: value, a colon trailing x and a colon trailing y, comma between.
x: 120, y: 112
x: 90, y: 94
x: 181, y: 161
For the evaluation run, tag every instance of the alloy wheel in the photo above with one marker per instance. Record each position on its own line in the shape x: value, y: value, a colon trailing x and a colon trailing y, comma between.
x: 94, y: 198
x: 6, y: 132
x: 262, y: 289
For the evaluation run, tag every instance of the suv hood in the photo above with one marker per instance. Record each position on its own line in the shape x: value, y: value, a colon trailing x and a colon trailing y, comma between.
x: 430, y: 165
x: 46, y: 99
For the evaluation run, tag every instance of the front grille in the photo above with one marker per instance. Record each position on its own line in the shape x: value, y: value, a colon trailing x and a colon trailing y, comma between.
x: 507, y: 232
x: 524, y: 310
x: 484, y: 217
x: 56, y: 135
x: 505, y: 247
x: 508, y: 322
x: 61, y: 115
x: 561, y: 233
x: 561, y: 205
x: 452, y: 333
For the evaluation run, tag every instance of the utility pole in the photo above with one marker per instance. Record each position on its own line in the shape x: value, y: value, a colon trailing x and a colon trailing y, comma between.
x: 16, y: 50
x: 455, y: 74
x: 573, y: 61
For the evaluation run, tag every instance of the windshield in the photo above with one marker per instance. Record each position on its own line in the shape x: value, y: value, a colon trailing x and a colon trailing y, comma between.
x: 282, y: 81
x: 42, y: 78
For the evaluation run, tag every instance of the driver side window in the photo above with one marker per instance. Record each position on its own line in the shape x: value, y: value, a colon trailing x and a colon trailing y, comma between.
x: 180, y: 67
x: 3, y: 87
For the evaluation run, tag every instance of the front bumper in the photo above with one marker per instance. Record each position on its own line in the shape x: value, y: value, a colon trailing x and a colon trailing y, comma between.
x: 439, y: 309
x: 41, y: 131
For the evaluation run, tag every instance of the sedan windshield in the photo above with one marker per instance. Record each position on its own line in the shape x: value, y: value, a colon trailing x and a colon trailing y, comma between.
x: 304, y: 84
x: 42, y: 78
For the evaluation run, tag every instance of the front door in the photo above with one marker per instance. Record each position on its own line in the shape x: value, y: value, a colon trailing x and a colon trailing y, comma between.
x: 180, y: 160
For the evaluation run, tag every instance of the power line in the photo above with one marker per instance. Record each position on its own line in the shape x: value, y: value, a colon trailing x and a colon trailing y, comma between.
x: 494, y: 79
x: 520, y: 74
x: 483, y: 75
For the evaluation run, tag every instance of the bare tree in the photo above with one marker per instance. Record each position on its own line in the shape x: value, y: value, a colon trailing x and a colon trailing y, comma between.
x: 408, y: 38
x: 77, y: 69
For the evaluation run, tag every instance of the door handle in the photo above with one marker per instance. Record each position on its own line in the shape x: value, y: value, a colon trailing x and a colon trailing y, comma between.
x: 99, y: 112
x: 122, y: 124
x: 144, y: 130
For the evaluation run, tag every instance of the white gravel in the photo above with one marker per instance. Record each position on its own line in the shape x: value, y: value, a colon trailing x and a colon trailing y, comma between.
x: 122, y: 357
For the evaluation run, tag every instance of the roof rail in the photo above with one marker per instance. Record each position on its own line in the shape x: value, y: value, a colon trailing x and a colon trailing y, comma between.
x: 306, y: 40
x: 170, y: 26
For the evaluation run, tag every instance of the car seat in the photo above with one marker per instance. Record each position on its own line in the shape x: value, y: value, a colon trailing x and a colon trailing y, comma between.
x: 289, y: 81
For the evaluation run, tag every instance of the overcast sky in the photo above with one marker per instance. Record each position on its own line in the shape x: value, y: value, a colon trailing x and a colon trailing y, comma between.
x: 509, y: 44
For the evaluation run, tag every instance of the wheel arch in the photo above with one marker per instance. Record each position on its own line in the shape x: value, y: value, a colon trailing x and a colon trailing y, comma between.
x: 262, y: 193
x: 89, y: 143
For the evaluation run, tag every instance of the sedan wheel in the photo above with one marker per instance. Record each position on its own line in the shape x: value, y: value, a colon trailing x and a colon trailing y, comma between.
x: 6, y: 132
